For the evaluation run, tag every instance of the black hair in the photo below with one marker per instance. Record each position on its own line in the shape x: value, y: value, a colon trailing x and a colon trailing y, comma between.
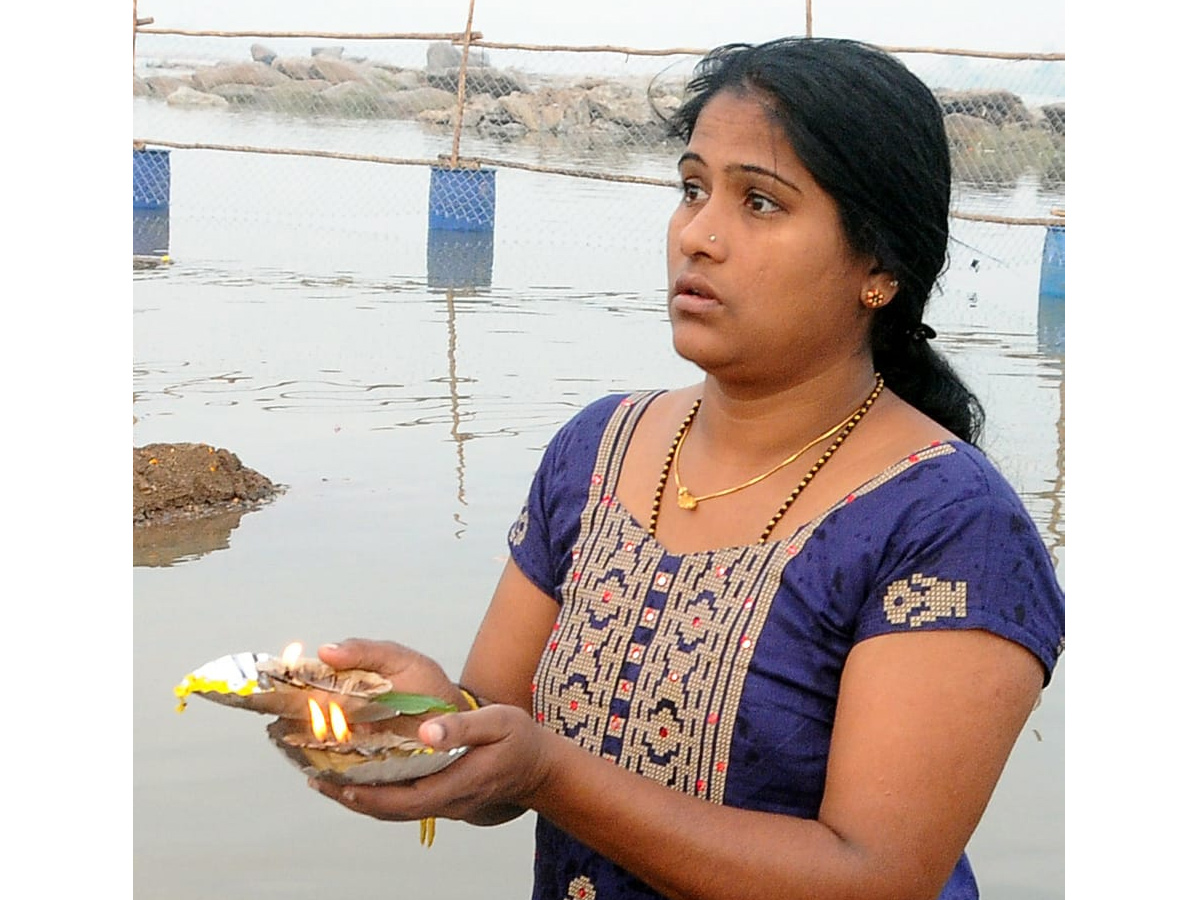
x: 872, y: 136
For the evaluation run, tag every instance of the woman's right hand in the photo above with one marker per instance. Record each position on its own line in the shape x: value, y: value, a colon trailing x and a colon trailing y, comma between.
x: 409, y: 672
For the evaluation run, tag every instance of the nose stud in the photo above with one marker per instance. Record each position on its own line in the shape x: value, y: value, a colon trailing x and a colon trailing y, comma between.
x: 712, y: 238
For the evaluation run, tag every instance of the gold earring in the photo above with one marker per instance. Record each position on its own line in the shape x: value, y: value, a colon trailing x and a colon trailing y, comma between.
x: 874, y: 298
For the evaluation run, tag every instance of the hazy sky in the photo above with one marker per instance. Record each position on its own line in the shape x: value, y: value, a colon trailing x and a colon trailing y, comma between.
x: 1030, y: 25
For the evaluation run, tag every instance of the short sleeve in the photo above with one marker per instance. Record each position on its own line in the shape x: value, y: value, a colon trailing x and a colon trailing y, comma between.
x: 975, y: 562
x: 541, y: 538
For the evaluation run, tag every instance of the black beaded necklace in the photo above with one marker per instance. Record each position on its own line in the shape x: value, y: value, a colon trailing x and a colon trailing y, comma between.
x: 690, y: 502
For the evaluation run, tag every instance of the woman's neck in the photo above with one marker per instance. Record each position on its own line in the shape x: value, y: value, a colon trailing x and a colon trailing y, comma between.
x: 755, y: 426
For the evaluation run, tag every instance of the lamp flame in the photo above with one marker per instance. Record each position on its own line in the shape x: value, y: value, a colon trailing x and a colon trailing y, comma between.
x: 320, y: 730
x: 291, y: 654
x: 337, y: 719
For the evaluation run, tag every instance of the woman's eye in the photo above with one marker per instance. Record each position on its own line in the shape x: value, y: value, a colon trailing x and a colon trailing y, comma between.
x: 691, y: 192
x: 761, y: 203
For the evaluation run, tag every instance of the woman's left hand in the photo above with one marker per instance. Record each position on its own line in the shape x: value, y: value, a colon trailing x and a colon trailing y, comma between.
x: 507, y: 762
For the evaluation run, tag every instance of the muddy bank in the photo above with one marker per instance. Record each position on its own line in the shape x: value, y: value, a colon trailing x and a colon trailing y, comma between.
x: 175, y: 483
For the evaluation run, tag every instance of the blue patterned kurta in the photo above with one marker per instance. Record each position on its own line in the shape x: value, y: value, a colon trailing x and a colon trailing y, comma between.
x: 716, y: 673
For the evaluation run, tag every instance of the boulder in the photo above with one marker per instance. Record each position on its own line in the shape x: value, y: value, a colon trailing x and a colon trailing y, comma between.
x: 352, y: 98
x: 328, y: 52
x: 442, y: 55
x: 1055, y: 117
x: 478, y: 81
x: 436, y: 116
x: 262, y: 54
x: 572, y: 112
x: 389, y: 78
x: 998, y: 107
x: 240, y: 94
x: 507, y: 131
x: 521, y: 108
x: 965, y: 132
x: 617, y: 103
x: 165, y: 85
x: 186, y: 96
x: 295, y: 96
x: 298, y: 68
x: 335, y: 71
x: 408, y: 104
x: 208, y: 77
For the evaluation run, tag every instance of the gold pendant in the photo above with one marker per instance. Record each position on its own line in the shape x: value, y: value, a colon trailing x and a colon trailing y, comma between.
x: 686, y: 500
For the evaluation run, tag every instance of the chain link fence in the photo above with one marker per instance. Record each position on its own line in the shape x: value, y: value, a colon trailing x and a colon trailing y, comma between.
x: 235, y: 110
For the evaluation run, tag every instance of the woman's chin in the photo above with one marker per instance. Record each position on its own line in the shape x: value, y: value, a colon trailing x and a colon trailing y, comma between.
x: 692, y: 348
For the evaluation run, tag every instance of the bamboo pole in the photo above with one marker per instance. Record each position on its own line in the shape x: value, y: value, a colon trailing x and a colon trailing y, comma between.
x: 476, y: 38
x: 462, y: 86
x: 1006, y: 220
x: 701, y: 51
x: 476, y: 162
x: 592, y: 48
x: 142, y: 143
x: 978, y: 54
x: 453, y: 36
x: 808, y: 18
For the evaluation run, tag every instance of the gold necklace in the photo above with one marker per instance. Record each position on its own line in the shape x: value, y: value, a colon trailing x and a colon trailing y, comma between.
x: 689, y: 501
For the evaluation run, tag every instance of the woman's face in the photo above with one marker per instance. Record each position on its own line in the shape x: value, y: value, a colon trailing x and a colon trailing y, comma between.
x: 763, y: 286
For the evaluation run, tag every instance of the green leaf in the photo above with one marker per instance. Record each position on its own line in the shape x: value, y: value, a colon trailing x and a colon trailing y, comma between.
x: 413, y: 704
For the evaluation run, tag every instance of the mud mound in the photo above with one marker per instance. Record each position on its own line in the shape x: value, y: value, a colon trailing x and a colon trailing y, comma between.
x: 180, y: 482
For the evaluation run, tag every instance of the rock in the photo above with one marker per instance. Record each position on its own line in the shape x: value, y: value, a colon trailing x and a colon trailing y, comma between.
x: 388, y: 78
x: 295, y: 96
x: 964, y: 131
x: 442, y: 55
x: 262, y: 54
x: 295, y: 67
x: 240, y: 94
x: 521, y: 108
x: 437, y: 116
x: 352, y: 98
x: 335, y: 71
x: 165, y: 85
x: 186, y: 96
x: 408, y: 104
x: 207, y: 78
x: 1055, y: 115
x: 141, y: 88
x: 507, y: 131
x: 478, y: 81
x: 477, y: 108
x: 998, y: 107
x: 573, y: 110
x: 172, y: 480
x: 328, y: 52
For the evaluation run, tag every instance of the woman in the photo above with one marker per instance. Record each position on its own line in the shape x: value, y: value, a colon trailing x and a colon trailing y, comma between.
x: 795, y: 606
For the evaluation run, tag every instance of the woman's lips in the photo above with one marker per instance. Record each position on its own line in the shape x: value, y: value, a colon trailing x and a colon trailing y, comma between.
x: 693, y: 294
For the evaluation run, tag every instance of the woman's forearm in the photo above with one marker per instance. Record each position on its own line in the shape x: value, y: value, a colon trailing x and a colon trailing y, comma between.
x: 685, y: 847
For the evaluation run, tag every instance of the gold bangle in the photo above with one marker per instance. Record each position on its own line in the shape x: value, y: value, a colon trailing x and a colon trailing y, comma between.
x: 429, y: 825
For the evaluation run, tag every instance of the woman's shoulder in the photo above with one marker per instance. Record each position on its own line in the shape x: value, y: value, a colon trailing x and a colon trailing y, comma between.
x: 953, y: 546
x: 589, y: 423
x: 940, y: 473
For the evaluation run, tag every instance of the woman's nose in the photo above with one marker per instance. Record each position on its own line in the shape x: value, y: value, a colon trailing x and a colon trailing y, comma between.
x: 699, y: 235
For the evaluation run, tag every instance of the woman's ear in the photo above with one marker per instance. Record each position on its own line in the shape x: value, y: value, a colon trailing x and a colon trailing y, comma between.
x: 879, y: 289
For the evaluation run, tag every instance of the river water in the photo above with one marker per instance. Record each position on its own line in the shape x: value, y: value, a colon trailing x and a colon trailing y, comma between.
x: 403, y: 392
